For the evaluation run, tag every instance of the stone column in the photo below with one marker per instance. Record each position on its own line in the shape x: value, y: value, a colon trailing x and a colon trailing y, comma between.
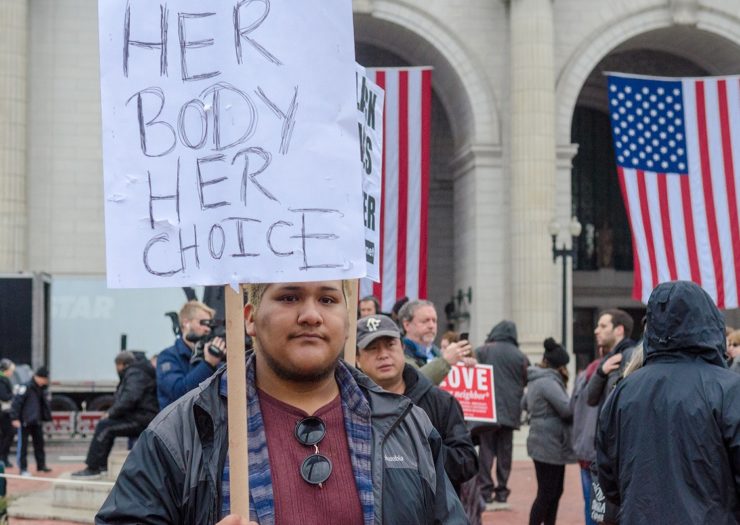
x: 533, y: 161
x: 13, y: 129
x: 479, y: 233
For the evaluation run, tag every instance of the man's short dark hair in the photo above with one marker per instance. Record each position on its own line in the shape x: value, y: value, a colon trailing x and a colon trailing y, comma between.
x: 620, y: 318
x: 125, y: 358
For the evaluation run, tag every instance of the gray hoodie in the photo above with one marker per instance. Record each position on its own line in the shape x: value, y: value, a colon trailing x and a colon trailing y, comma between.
x: 550, y: 414
x: 509, y: 371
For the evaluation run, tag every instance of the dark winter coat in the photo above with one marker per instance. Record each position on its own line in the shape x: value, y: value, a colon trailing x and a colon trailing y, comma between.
x: 509, y: 371
x: 176, y: 375
x: 31, y: 405
x: 446, y: 415
x: 600, y: 385
x: 136, y: 395
x: 668, y: 445
x: 173, y: 475
x: 6, y: 391
x: 548, y: 405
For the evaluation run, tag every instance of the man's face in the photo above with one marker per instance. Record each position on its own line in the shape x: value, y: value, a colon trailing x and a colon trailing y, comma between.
x: 367, y: 308
x: 607, y: 335
x: 193, y: 326
x: 423, y: 326
x: 300, y: 329
x: 41, y: 381
x: 382, y: 360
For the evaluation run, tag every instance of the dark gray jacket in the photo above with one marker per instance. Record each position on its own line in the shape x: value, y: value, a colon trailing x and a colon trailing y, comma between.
x: 509, y: 371
x: 585, y: 418
x: 445, y: 413
x: 550, y: 414
x: 600, y: 386
x: 668, y: 444
x: 173, y: 474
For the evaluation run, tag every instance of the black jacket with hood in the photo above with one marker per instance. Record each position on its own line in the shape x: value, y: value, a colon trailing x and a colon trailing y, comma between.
x: 668, y: 444
x: 136, y: 395
x: 32, y: 404
x: 445, y: 413
x: 173, y: 474
x: 509, y: 371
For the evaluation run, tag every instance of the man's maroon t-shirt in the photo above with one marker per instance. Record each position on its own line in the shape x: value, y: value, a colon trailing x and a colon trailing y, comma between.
x: 295, y: 500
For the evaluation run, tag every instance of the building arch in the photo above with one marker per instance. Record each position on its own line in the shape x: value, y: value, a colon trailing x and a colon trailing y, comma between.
x: 458, y: 80
x: 639, y: 28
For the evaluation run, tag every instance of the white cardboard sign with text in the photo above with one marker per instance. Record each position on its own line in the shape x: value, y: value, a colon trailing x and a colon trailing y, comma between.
x: 473, y: 387
x: 230, y: 142
x: 370, y: 100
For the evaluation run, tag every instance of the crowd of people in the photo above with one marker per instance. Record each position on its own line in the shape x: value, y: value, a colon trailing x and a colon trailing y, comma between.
x: 654, y: 424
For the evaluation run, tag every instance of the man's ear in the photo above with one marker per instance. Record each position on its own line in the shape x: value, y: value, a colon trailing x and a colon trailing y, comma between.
x: 619, y: 330
x: 249, y: 319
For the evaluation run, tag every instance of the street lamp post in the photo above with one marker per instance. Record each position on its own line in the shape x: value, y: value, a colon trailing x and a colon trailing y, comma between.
x: 575, y: 230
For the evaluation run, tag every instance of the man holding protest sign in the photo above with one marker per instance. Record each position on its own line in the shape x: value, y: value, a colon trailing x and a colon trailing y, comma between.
x: 316, y: 428
x: 380, y: 355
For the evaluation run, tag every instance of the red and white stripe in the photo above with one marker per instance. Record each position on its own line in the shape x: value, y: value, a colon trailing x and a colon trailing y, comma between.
x: 687, y: 227
x: 405, y: 193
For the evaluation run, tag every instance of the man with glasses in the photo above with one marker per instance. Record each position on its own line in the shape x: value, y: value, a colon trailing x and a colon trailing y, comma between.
x: 326, y: 445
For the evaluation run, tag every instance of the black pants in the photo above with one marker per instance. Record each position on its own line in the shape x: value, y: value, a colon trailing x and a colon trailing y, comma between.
x: 36, y: 431
x: 106, y: 432
x: 496, y: 443
x: 6, y: 436
x: 549, y: 489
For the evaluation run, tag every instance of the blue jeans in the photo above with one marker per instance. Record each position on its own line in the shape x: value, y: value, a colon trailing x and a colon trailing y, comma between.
x: 586, y: 485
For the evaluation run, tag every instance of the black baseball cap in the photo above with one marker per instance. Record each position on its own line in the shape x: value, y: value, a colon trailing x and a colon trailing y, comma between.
x: 374, y: 326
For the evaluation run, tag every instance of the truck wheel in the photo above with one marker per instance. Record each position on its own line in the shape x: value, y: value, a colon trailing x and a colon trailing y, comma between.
x: 62, y: 403
x: 101, y: 403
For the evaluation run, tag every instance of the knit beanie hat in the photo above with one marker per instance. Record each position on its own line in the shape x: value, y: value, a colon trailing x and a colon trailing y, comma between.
x: 555, y: 353
x: 42, y: 371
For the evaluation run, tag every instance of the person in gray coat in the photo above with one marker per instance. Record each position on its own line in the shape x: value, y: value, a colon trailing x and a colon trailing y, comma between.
x: 509, y: 377
x: 548, y: 443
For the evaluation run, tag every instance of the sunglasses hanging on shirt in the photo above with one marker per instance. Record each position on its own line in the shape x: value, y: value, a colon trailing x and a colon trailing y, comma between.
x: 316, y: 468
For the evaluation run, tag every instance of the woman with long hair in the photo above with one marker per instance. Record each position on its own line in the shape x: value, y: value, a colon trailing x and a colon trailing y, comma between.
x: 549, y: 443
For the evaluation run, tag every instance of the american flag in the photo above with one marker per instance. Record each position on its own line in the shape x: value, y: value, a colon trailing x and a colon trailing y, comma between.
x: 676, y: 142
x: 405, y: 194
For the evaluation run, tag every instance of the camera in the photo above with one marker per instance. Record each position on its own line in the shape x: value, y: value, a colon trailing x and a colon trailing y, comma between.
x: 203, y: 342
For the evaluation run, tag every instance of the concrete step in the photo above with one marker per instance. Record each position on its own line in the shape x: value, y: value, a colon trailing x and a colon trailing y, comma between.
x: 38, y: 506
x: 116, y: 460
x: 79, y: 495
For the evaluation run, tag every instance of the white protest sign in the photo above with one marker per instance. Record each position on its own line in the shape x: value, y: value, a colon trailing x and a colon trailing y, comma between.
x: 370, y: 99
x: 230, y: 142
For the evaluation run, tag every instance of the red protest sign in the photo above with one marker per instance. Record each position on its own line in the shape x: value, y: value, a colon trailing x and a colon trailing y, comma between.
x: 473, y: 388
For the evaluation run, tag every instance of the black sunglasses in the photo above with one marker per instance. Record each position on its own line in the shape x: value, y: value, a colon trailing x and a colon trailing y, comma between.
x: 316, y: 468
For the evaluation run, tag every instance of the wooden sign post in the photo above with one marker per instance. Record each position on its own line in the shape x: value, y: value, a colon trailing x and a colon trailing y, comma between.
x: 350, y: 347
x: 237, y: 395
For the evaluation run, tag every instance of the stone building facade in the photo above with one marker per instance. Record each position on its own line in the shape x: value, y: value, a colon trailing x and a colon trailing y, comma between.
x: 518, y: 139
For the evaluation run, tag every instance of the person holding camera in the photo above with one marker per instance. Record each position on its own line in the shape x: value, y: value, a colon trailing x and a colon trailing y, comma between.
x: 194, y: 357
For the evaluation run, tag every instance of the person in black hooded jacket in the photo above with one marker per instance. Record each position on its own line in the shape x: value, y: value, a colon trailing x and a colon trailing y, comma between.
x: 509, y: 377
x: 134, y: 406
x: 668, y: 442
x: 380, y: 355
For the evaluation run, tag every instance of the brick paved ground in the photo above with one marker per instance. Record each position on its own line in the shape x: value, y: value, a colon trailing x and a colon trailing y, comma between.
x: 523, y: 485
